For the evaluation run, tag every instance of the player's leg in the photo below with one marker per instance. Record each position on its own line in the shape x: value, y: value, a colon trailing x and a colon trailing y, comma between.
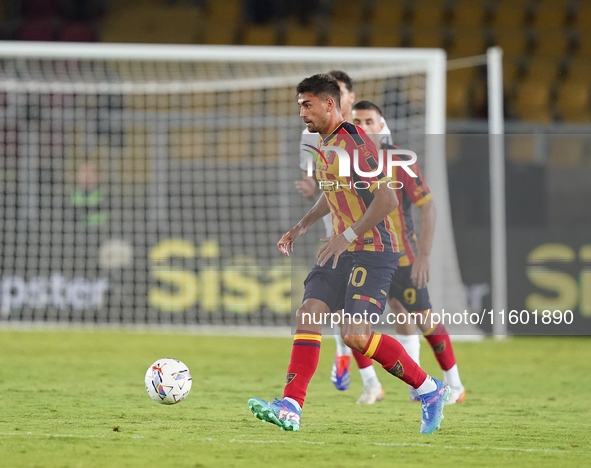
x: 372, y: 387
x: 406, y: 334
x: 365, y: 300
x: 402, y: 298
x: 440, y: 342
x: 324, y: 291
x: 402, y: 292
x: 305, y: 352
x: 340, y: 375
x: 416, y: 301
x: 406, y: 330
x: 384, y: 349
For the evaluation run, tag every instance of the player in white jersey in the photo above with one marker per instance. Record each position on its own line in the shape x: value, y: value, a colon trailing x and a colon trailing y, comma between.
x: 308, y: 187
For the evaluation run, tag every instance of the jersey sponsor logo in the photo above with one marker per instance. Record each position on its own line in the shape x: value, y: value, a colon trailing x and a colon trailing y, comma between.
x: 368, y: 241
x: 289, y: 378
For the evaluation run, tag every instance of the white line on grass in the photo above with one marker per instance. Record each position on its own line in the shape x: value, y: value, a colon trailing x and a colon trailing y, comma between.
x: 479, y: 448
x: 271, y: 441
x: 379, y: 444
x: 49, y: 435
x: 385, y: 444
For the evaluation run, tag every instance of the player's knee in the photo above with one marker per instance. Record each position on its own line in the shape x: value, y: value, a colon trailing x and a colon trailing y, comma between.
x: 310, y: 315
x: 356, y: 342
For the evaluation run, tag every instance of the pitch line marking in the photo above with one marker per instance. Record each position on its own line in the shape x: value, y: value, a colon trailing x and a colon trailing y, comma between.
x: 379, y: 444
x: 386, y: 444
x: 515, y: 449
x: 270, y: 441
x: 50, y: 435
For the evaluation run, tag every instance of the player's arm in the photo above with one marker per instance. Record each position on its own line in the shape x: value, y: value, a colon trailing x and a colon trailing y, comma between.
x: 420, y: 268
x: 417, y: 190
x: 384, y: 202
x: 308, y: 187
x: 319, y: 210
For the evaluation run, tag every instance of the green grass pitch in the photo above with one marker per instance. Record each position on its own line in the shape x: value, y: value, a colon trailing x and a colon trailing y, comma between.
x: 77, y: 399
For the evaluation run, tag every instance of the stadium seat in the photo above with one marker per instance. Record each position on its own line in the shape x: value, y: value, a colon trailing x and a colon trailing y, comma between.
x: 218, y: 32
x: 158, y: 24
x: 511, y: 40
x: 37, y: 29
x: 426, y: 37
x: 554, y: 3
x: 531, y: 102
x: 550, y: 16
x: 550, y: 41
x: 458, y: 91
x: 583, y: 17
x: 187, y: 143
x: 387, y: 13
x: 565, y: 151
x: 347, y: 10
x: 343, y: 34
x: 78, y: 31
x: 467, y: 42
x: 521, y: 148
x: 580, y: 69
x: 468, y: 16
x: 543, y: 69
x: 260, y: 35
x: 298, y: 35
x: 136, y: 165
x: 386, y: 36
x: 428, y: 14
x: 232, y: 143
x: 509, y: 69
x: 223, y: 10
x: 573, y: 101
x: 584, y: 48
x: 512, y: 15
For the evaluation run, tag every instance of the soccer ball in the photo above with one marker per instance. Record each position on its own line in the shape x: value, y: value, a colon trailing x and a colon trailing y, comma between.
x: 168, y: 381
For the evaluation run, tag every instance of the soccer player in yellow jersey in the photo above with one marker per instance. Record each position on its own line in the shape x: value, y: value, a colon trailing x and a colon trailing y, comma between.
x: 308, y: 187
x: 408, y: 291
x: 355, y: 266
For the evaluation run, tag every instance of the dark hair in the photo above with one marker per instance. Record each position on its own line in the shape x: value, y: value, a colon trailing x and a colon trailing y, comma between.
x: 321, y: 85
x: 343, y: 78
x: 367, y: 105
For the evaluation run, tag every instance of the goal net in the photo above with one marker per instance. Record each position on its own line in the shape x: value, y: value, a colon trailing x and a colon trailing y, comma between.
x: 150, y: 184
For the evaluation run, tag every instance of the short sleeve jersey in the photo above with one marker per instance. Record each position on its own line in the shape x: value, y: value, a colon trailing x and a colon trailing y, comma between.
x: 350, y: 197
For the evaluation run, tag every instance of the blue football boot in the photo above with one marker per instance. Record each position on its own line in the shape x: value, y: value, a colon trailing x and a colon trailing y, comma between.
x: 340, y: 375
x: 280, y: 412
x: 432, y: 407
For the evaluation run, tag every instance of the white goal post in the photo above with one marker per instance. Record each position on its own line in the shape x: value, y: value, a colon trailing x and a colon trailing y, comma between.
x: 80, y: 101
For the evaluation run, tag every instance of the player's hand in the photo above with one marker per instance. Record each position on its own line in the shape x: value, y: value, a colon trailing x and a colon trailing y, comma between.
x: 335, y: 245
x: 285, y: 244
x: 307, y: 186
x: 419, y: 273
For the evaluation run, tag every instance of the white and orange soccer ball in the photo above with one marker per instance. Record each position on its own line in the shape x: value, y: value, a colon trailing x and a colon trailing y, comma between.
x: 168, y: 381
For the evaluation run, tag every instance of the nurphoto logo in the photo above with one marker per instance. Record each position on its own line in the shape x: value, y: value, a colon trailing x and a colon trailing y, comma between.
x: 385, y: 157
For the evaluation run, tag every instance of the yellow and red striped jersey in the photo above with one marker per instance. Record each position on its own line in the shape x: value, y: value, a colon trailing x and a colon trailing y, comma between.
x: 349, y: 197
x: 415, y: 191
